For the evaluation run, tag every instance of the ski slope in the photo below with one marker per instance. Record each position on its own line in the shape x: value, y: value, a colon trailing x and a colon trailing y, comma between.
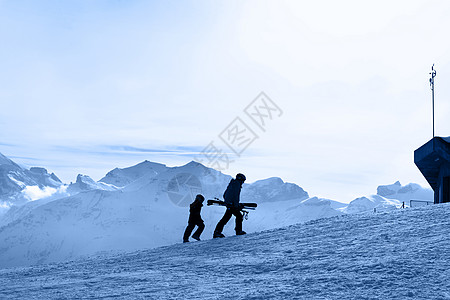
x: 401, y: 254
x: 146, y: 206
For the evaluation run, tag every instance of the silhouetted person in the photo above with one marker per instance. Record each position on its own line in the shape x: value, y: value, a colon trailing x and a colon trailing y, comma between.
x: 232, y: 198
x: 195, y: 219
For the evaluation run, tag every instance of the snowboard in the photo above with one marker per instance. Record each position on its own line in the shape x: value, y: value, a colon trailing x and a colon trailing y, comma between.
x: 222, y: 203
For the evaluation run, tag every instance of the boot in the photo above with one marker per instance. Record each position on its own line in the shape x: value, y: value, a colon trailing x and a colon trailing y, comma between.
x: 242, y: 232
x: 195, y: 237
x: 218, y: 235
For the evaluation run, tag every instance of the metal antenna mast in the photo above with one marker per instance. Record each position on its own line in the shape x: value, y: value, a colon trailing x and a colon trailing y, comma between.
x: 433, y: 74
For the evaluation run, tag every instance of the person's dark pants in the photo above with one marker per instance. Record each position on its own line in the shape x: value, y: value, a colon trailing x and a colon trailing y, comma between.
x: 191, y: 226
x: 226, y: 217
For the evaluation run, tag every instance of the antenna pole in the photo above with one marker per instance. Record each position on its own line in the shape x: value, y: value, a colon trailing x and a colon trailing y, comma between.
x: 433, y: 74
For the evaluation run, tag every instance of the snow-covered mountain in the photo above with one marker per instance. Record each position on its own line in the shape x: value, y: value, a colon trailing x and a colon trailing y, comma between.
x: 411, y: 191
x: 371, y: 203
x: 86, y: 183
x: 148, y: 212
x: 146, y: 206
x: 398, y: 255
x: 390, y: 197
x: 274, y: 189
x: 19, y: 185
x: 122, y: 177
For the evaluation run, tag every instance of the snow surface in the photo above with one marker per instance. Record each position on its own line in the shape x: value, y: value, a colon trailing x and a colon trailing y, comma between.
x: 140, y: 215
x: 397, y: 255
x: 147, y: 208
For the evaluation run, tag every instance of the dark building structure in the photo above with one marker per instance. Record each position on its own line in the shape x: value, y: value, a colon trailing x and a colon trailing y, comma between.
x: 433, y: 160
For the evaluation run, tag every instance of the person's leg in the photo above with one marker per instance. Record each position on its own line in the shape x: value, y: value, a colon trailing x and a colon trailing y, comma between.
x: 239, y: 218
x: 226, y: 217
x: 198, y: 232
x: 188, y: 231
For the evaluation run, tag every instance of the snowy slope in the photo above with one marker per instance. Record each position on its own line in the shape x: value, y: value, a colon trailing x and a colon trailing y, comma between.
x: 396, y: 255
x: 149, y: 212
x: 148, y: 207
x: 277, y: 214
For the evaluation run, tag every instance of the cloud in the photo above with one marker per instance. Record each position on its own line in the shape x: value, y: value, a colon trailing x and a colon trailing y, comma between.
x: 4, y: 205
x: 153, y: 79
x: 6, y: 144
x: 33, y: 192
x: 169, y: 149
x: 136, y: 149
x: 115, y: 150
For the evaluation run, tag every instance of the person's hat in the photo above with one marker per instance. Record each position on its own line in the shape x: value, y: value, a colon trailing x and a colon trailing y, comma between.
x: 240, y: 177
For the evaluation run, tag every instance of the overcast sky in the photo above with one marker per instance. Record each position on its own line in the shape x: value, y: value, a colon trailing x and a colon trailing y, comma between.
x: 87, y: 86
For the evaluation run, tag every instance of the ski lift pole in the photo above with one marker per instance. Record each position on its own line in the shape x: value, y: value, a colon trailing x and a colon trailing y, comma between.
x: 433, y: 74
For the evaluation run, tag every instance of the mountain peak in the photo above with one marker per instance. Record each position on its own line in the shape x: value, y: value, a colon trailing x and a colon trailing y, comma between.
x: 390, y: 189
x: 194, y: 164
x: 6, y: 161
x: 122, y: 177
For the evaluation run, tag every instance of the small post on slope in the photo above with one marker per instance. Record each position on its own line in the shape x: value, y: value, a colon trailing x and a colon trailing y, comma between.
x: 433, y: 74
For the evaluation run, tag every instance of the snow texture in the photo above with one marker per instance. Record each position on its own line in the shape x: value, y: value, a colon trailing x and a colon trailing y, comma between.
x: 397, y: 255
x: 150, y: 210
x: 146, y: 213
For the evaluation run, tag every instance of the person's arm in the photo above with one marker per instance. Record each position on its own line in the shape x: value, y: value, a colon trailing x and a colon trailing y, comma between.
x: 196, y: 205
x: 236, y: 194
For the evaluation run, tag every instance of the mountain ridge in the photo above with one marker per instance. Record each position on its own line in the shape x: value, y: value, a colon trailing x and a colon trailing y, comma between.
x: 151, y: 211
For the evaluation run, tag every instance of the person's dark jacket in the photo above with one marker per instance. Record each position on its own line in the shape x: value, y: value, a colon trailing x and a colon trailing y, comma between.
x: 232, y: 193
x: 194, y: 212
